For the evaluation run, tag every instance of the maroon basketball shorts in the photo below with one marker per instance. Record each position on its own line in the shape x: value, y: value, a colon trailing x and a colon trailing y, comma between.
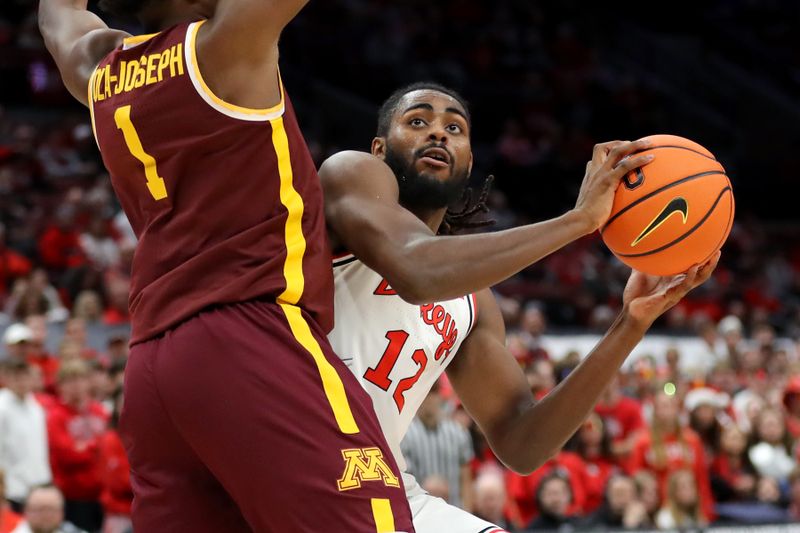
x: 243, y: 419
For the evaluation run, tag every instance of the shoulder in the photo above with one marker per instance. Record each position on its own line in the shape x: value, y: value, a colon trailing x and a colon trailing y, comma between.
x: 352, y: 164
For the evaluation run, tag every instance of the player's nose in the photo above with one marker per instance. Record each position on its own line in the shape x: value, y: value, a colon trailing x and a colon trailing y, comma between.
x: 439, y: 135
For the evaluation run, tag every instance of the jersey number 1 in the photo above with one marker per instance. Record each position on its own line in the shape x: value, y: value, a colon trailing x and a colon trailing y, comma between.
x: 379, y: 375
x: 122, y: 116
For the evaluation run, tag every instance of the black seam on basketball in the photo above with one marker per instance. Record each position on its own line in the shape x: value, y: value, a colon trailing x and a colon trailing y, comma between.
x: 728, y: 227
x: 682, y: 237
x: 657, y: 191
x: 679, y: 148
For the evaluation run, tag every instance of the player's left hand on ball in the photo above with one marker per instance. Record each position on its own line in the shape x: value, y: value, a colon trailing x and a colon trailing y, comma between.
x: 647, y: 297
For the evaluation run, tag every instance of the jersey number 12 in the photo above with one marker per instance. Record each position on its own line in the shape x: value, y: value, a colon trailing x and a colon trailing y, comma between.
x: 379, y: 375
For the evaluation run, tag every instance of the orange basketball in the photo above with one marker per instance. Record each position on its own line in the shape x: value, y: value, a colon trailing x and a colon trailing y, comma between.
x: 672, y: 213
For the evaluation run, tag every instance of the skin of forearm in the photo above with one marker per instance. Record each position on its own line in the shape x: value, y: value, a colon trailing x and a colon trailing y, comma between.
x: 442, y: 268
x: 541, y: 429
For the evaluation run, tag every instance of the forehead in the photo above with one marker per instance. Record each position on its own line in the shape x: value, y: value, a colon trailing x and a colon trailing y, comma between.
x: 440, y: 102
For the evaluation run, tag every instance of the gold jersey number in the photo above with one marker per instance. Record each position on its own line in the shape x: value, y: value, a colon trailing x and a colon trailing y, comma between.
x: 122, y: 116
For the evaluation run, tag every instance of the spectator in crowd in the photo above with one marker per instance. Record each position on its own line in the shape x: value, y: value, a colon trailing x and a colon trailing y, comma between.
x: 98, y: 246
x: 8, y: 518
x: 117, y: 493
x: 88, y: 307
x: 522, y: 490
x: 436, y: 445
x: 621, y: 508
x: 706, y: 415
x: 648, y: 492
x: 553, y: 498
x: 13, y: 266
x: 37, y: 354
x: 490, y: 498
x: 59, y: 245
x: 16, y: 339
x: 623, y: 418
x: 669, y: 446
x: 44, y: 513
x: 75, y: 332
x: 23, y: 434
x: 771, y: 450
x: 592, y: 443
x: 75, y: 424
x: 682, y: 509
x: 541, y: 377
x: 733, y: 478
x: 532, y: 327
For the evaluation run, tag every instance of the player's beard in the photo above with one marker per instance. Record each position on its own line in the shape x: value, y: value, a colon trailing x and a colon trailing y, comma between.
x: 421, y: 191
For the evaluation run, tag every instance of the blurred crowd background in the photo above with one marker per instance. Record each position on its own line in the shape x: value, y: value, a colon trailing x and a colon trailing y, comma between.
x: 691, y: 434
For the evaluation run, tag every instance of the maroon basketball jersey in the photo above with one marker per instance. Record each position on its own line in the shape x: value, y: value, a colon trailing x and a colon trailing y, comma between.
x: 225, y: 200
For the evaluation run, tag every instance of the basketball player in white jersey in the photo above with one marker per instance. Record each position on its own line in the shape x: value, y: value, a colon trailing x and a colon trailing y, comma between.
x: 401, y: 314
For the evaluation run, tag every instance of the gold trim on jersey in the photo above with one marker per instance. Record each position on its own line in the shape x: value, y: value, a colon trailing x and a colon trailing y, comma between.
x: 295, y: 283
x: 382, y: 513
x: 90, y: 103
x: 130, y: 42
x: 216, y: 102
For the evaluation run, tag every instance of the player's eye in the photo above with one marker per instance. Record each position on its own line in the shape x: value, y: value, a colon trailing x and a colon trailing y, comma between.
x: 454, y: 128
x: 416, y: 122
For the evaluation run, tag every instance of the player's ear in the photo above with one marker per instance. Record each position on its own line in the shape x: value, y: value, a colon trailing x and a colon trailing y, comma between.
x: 471, y: 161
x: 379, y: 147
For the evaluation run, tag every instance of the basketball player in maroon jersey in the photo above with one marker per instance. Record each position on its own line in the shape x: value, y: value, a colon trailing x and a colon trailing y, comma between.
x: 238, y: 416
x: 386, y: 209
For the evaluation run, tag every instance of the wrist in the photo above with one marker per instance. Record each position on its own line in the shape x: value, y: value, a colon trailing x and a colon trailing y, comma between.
x: 580, y: 220
x: 632, y: 323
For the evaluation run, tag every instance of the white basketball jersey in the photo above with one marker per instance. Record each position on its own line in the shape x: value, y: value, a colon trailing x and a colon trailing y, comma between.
x: 396, y: 350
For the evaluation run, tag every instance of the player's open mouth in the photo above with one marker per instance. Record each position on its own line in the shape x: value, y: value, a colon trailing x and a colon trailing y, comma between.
x: 436, y: 157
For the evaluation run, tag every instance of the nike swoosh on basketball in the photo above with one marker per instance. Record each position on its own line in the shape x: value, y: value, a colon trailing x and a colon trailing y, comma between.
x: 676, y: 205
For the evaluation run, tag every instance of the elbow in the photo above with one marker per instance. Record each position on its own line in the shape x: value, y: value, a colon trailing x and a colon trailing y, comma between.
x: 414, y: 284
x: 411, y: 291
x: 526, y: 461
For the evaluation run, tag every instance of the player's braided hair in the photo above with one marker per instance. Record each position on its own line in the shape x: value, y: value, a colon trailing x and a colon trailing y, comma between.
x: 457, y: 220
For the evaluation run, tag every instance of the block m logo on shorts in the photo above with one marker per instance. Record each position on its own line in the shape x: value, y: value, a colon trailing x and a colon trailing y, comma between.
x: 365, y: 464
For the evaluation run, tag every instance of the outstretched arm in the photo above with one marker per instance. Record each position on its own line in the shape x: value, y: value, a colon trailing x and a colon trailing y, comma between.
x: 77, y: 39
x: 363, y: 213
x: 493, y: 389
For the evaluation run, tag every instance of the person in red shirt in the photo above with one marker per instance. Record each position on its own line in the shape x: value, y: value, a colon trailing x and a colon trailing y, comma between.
x: 593, y: 445
x: 12, y: 265
x: 522, y: 489
x: 8, y: 518
x: 74, y: 425
x: 733, y: 478
x: 117, y: 495
x: 59, y: 245
x: 623, y: 419
x: 668, y: 446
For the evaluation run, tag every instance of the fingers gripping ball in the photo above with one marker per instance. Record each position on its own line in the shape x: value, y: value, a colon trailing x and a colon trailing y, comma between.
x: 672, y: 213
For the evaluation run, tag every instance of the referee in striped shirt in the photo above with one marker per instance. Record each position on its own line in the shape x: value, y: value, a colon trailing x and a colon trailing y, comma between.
x: 435, y: 445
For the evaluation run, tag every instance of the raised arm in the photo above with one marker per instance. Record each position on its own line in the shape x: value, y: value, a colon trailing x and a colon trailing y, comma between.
x: 364, y: 216
x: 493, y: 389
x: 77, y: 39
x: 238, y: 49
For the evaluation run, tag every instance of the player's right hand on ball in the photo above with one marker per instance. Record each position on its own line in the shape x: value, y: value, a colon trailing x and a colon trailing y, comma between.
x: 610, y: 163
